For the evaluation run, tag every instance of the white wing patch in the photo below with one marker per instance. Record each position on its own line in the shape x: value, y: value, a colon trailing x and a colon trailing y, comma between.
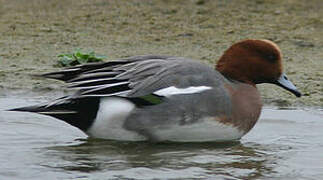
x: 175, y: 91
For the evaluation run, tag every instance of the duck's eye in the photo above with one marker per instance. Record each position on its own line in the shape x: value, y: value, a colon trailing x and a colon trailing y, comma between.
x: 271, y: 57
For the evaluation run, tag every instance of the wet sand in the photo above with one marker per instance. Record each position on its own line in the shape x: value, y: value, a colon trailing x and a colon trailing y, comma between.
x: 34, y: 32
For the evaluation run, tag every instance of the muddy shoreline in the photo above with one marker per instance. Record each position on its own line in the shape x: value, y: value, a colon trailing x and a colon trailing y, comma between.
x: 34, y: 32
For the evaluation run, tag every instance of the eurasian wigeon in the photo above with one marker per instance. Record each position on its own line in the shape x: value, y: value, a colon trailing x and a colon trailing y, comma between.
x: 167, y: 98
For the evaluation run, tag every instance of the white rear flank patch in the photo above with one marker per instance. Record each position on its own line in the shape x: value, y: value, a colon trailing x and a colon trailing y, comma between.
x: 110, y: 118
x: 208, y: 129
x: 175, y: 91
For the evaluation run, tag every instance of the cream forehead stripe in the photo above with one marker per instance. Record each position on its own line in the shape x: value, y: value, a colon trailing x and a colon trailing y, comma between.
x: 272, y: 43
x: 175, y: 91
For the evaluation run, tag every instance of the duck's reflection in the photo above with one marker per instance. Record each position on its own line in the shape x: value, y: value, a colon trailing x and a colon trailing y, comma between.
x: 232, y: 159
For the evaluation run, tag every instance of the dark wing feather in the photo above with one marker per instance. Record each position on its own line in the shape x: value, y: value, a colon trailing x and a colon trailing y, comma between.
x: 131, y: 77
x: 73, y: 72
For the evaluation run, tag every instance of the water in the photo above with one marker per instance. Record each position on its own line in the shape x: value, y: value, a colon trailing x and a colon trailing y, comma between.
x: 285, y: 144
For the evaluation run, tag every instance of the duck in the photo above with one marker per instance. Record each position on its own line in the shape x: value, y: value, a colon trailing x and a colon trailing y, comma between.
x: 160, y: 98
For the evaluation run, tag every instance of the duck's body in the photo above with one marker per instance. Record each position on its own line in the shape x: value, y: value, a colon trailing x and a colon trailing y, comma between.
x: 200, y: 109
x: 158, y: 98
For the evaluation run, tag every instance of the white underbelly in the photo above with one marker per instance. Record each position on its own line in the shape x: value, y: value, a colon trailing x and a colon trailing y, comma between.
x: 204, y: 130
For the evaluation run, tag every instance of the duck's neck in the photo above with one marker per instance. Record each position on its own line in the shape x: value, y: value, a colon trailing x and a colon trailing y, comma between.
x: 231, y: 76
x: 232, y: 70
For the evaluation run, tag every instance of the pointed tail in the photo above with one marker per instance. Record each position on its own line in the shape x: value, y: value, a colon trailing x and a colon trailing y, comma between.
x: 76, y: 112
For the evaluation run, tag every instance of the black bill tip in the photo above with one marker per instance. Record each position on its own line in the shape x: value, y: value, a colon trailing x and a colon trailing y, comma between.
x: 288, y: 85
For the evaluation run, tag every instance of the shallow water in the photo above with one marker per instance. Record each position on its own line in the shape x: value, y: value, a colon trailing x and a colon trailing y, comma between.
x: 285, y: 144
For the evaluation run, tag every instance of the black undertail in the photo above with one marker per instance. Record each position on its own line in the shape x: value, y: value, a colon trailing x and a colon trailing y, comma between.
x: 80, y: 113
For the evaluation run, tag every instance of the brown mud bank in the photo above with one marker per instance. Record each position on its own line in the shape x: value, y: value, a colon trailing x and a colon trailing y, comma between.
x: 34, y: 32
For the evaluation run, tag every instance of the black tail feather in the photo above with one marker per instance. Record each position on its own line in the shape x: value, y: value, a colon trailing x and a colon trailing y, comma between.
x: 76, y: 112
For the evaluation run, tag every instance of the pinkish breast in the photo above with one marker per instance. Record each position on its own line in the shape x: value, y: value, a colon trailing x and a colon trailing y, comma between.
x: 246, y: 106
